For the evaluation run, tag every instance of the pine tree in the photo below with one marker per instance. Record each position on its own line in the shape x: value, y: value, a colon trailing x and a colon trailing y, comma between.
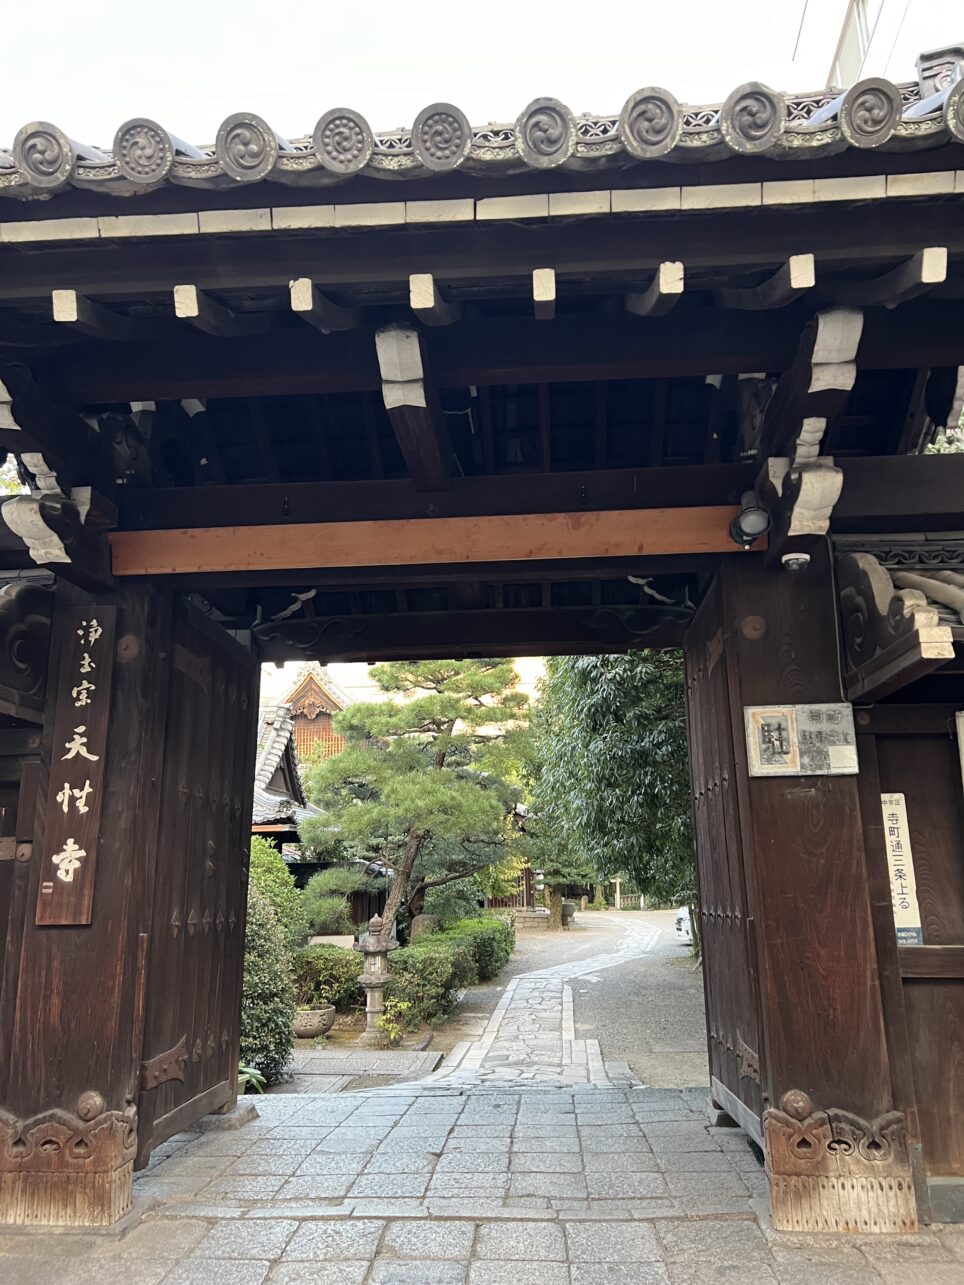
x: 428, y: 781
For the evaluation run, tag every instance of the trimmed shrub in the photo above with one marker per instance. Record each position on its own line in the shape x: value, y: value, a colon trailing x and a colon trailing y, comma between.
x: 491, y: 942
x: 326, y: 898
x: 328, y: 975
x: 267, y: 1002
x: 270, y: 875
x: 428, y: 976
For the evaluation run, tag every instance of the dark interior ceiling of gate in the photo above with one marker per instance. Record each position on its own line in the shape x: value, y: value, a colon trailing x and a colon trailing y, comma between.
x: 258, y: 417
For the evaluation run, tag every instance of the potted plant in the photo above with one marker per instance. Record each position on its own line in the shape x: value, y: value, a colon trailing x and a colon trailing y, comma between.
x: 312, y: 1020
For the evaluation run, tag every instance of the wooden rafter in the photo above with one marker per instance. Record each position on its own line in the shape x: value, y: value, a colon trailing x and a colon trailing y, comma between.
x: 663, y: 293
x: 308, y: 303
x: 544, y: 293
x: 199, y: 309
x: 914, y: 276
x: 483, y: 352
x: 790, y: 281
x: 89, y: 318
x: 260, y: 426
x: 427, y: 303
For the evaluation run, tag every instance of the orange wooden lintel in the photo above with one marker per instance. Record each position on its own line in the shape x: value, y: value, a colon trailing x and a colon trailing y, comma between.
x: 423, y: 541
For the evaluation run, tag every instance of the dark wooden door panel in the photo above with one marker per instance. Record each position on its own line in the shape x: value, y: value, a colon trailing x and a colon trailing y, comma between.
x: 729, y: 972
x: 197, y: 932
x: 935, y: 1026
x: 927, y: 771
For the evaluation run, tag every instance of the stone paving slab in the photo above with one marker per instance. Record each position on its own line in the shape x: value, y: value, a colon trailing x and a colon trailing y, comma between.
x: 475, y: 1177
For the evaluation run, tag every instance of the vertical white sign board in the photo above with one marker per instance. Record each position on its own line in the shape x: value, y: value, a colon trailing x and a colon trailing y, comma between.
x: 900, y: 865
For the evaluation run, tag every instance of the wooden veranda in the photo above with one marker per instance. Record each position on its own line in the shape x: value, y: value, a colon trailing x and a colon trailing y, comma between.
x: 526, y: 398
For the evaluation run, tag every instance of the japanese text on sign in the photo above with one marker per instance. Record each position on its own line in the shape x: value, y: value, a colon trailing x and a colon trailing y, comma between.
x: 900, y: 864
x: 71, y: 830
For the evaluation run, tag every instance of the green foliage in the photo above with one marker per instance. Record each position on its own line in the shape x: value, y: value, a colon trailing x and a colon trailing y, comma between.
x: 328, y: 975
x: 490, y: 940
x: 452, y: 902
x: 392, y: 1022
x: 428, y: 780
x: 427, y: 976
x: 328, y: 916
x: 599, y: 899
x: 267, y: 1001
x: 339, y: 880
x: 610, y: 774
x: 271, y: 876
x: 250, y: 1079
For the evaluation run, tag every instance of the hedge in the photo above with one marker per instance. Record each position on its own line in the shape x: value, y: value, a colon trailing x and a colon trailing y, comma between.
x: 491, y: 942
x: 267, y: 1004
x: 328, y: 975
x: 428, y: 975
x: 271, y: 876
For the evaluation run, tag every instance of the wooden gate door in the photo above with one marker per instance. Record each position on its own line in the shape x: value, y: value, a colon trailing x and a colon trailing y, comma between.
x: 725, y: 914
x: 190, y: 993
x: 912, y: 751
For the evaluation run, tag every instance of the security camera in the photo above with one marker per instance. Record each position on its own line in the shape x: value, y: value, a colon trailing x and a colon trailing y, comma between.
x: 796, y: 562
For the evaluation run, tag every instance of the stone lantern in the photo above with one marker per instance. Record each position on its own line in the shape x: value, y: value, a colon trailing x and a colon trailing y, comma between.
x: 374, y: 978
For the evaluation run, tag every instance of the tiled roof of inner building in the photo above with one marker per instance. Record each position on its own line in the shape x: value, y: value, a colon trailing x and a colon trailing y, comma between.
x: 754, y: 120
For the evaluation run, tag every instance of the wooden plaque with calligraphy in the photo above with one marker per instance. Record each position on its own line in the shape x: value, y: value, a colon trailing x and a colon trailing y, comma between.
x: 68, y: 848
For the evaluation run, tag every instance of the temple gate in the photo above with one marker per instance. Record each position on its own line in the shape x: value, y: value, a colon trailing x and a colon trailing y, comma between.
x: 576, y: 384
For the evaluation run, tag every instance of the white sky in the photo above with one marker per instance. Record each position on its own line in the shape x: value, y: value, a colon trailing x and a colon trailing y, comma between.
x: 90, y: 66
x: 353, y: 679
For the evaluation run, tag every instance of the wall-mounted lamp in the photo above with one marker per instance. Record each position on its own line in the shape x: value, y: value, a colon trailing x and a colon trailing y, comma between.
x: 751, y: 522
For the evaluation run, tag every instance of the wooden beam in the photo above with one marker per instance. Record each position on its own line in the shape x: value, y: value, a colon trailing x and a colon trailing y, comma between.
x: 924, y: 270
x: 444, y: 575
x: 261, y: 504
x: 663, y: 293
x: 839, y: 236
x: 312, y: 306
x: 199, y: 309
x: 506, y: 631
x: 550, y: 536
x: 89, y: 318
x: 481, y: 352
x: 786, y: 284
x: 427, y: 304
x: 544, y: 293
x: 413, y: 409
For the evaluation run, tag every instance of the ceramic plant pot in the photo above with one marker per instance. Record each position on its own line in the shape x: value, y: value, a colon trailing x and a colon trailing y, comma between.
x: 309, y: 1023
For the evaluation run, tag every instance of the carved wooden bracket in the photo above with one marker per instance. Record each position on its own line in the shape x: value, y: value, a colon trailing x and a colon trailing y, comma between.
x: 892, y: 635
x: 834, y: 1171
x: 801, y: 486
x: 166, y: 1066
x: 65, y: 533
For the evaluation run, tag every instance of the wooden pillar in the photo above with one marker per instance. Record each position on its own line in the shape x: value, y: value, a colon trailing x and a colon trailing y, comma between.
x: 83, y: 929
x: 798, y: 1048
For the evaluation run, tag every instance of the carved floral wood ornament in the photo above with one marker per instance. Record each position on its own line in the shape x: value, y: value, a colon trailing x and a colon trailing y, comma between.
x: 53, y: 1160
x: 834, y: 1171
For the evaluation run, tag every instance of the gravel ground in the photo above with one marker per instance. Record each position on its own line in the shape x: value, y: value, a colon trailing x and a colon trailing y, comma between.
x: 648, y: 1012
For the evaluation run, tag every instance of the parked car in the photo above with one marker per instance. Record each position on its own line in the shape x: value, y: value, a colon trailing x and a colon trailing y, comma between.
x: 684, y: 929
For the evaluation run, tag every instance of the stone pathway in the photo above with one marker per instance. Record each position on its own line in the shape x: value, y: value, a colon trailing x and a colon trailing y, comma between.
x: 496, y: 1171
x: 330, y: 1070
x: 531, y: 1039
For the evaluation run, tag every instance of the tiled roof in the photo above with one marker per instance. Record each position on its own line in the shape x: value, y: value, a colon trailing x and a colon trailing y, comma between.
x: 652, y: 125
